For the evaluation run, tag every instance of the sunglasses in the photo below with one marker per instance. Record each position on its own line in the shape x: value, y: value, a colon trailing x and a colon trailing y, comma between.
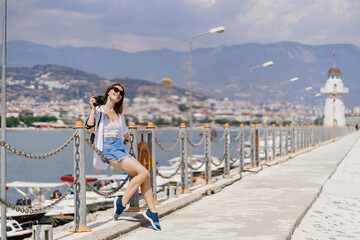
x: 122, y: 93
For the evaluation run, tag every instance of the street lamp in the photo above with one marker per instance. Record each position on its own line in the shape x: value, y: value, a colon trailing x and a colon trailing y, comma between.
x: 267, y: 64
x: 220, y: 29
x: 304, y: 90
x: 295, y: 79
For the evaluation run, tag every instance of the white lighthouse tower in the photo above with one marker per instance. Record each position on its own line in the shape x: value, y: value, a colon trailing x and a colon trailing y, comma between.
x: 334, y: 92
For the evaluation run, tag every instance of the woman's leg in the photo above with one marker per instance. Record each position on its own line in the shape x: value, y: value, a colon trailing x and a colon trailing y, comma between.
x: 141, y: 177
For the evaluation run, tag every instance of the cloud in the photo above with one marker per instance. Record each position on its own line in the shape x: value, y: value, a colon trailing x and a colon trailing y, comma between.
x: 140, y: 25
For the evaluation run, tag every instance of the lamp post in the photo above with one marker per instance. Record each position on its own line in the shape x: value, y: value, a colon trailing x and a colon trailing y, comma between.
x: 295, y: 79
x: 304, y: 90
x: 267, y: 64
x: 220, y: 29
x: 333, y: 114
x: 3, y: 125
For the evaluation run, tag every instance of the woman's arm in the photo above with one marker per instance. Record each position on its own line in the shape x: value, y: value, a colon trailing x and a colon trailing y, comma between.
x: 90, y: 123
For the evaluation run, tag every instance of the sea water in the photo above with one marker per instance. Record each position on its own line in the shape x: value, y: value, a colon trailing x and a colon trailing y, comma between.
x: 52, y: 168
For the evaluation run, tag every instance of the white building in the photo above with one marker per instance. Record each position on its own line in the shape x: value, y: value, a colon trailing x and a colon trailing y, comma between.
x: 334, y: 92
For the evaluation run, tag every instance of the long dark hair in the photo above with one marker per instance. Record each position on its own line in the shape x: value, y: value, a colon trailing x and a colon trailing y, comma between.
x: 119, y: 106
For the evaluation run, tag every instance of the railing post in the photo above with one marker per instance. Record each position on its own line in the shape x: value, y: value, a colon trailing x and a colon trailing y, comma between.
x: 207, y: 153
x: 280, y: 140
x: 292, y: 140
x: 273, y: 142
x: 80, y: 174
x: 257, y: 142
x: 252, y: 146
x: 266, y: 144
x: 151, y: 144
x: 133, y: 151
x: 241, y: 145
x: 184, y: 158
x: 227, y: 150
x: 287, y: 139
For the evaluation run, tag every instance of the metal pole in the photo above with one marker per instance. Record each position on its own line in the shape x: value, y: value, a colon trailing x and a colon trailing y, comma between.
x: 207, y: 153
x: 133, y: 151
x: 227, y: 150
x: 184, y: 157
x: 80, y: 174
x: 151, y: 142
x: 273, y: 142
x: 266, y: 133
x: 3, y: 126
x: 241, y: 144
x: 191, y: 99
x: 280, y: 140
x: 250, y: 90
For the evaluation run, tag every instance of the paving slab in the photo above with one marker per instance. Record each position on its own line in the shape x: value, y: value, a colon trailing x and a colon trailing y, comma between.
x: 336, y: 213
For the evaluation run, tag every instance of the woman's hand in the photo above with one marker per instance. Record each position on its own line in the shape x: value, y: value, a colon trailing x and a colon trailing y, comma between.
x: 91, y: 102
x: 126, y: 137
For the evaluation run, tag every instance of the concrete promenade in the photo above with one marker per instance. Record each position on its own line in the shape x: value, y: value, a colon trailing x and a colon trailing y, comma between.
x: 267, y: 205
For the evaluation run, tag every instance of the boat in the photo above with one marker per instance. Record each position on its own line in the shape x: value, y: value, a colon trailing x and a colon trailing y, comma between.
x: 14, y: 231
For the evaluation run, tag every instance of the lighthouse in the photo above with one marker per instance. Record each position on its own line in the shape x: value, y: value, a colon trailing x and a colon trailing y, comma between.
x: 334, y: 92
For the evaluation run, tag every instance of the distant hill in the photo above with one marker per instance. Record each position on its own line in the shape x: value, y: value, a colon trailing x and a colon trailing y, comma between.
x: 217, y: 72
x: 58, y: 83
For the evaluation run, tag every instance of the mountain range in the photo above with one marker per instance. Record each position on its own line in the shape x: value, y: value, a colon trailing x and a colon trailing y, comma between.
x: 217, y: 72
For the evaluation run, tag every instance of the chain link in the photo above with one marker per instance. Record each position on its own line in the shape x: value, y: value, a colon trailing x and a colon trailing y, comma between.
x: 196, y: 145
x: 221, y: 161
x: 38, y: 156
x: 107, y: 194
x: 98, y: 152
x: 218, y: 141
x: 42, y: 209
x: 197, y: 168
x: 173, y: 174
x: 233, y: 159
x: 167, y: 149
x: 237, y: 137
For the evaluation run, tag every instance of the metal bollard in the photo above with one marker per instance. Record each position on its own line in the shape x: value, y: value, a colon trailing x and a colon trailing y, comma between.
x: 252, y: 146
x: 287, y: 139
x: 273, y: 142
x: 280, y: 140
x: 266, y: 143
x: 241, y: 146
x: 184, y: 158
x: 292, y: 138
x: 207, y: 153
x: 151, y: 143
x: 227, y: 150
x: 132, y: 148
x: 80, y: 174
x: 42, y: 232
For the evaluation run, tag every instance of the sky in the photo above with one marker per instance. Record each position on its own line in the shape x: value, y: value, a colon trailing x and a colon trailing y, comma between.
x: 138, y: 25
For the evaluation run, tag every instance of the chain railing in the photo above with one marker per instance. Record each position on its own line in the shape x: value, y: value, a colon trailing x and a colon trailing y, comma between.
x: 28, y: 210
x: 37, y: 156
x: 259, y: 144
x: 107, y: 193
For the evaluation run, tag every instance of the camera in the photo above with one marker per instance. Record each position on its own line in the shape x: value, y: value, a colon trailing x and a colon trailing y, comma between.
x: 100, y: 100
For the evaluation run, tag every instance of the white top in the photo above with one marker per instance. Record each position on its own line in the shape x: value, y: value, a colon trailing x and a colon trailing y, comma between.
x: 99, y: 136
x: 111, y: 128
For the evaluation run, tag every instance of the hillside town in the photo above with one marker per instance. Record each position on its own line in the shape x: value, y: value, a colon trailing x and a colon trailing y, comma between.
x: 43, y: 95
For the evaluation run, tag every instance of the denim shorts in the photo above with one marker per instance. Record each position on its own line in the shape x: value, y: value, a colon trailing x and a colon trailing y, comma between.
x: 114, y: 149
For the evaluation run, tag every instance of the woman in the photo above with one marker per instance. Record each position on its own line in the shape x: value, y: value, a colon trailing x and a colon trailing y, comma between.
x: 108, y: 124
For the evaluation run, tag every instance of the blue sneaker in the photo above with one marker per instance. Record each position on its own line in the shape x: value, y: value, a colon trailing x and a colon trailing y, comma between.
x: 118, y: 207
x: 153, y: 218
